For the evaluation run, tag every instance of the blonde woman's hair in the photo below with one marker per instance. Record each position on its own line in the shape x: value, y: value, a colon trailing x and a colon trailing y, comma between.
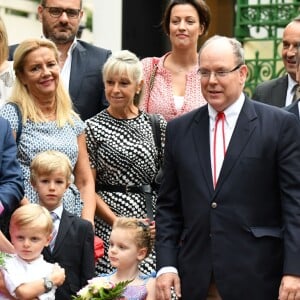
x: 33, y: 215
x: 124, y: 62
x: 141, y: 230
x: 47, y: 162
x: 3, y: 42
x: 21, y: 96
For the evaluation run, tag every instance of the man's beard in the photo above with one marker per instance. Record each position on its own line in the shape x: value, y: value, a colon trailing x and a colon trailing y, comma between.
x: 59, y: 37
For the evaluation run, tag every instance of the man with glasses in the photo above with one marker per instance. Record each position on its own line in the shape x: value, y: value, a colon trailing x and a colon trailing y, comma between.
x: 81, y: 63
x: 227, y: 217
x: 295, y: 106
x: 280, y: 91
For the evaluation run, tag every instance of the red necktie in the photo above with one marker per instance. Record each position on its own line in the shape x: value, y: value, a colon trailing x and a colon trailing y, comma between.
x: 219, y: 146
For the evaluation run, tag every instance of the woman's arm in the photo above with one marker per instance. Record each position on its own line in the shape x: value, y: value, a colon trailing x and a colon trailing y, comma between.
x: 103, y: 211
x: 84, y: 180
x: 5, y: 244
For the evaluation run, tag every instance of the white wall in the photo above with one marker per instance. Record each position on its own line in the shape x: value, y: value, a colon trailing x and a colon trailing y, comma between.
x: 107, y: 24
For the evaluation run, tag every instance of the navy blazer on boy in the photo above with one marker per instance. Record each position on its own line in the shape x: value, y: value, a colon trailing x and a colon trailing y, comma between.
x: 246, y: 231
x: 74, y: 251
x: 86, y: 86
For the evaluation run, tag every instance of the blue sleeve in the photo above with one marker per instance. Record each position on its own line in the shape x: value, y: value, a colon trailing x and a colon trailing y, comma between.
x: 11, y: 179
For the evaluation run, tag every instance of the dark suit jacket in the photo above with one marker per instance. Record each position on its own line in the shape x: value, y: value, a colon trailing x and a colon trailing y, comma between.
x: 11, y: 179
x: 272, y: 92
x: 246, y: 231
x: 86, y: 84
x: 293, y: 108
x: 74, y: 251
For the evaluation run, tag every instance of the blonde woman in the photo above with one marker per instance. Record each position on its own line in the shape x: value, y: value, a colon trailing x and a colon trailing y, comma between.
x: 40, y: 102
x: 123, y: 155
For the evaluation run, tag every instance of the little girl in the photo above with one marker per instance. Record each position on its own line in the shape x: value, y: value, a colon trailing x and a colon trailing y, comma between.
x: 130, y: 243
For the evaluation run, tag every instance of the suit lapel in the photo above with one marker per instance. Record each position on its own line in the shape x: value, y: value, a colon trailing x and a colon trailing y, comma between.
x: 64, y: 225
x: 244, y: 128
x: 200, y: 133
x: 279, y: 91
x: 78, y: 66
x: 294, y: 108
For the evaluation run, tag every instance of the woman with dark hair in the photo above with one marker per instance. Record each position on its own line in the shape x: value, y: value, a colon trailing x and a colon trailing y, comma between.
x: 172, y: 85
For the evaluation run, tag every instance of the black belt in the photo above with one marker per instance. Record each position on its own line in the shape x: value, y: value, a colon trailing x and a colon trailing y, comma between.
x: 137, y: 189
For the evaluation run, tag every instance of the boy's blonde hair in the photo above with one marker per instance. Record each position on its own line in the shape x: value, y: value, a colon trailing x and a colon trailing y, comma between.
x: 141, y: 230
x: 34, y: 215
x: 47, y: 162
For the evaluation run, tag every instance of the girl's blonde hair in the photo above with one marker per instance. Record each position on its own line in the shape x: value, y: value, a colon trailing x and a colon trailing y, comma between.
x: 34, y: 215
x: 124, y: 62
x: 141, y: 231
x: 3, y: 42
x: 47, y: 162
x: 21, y: 96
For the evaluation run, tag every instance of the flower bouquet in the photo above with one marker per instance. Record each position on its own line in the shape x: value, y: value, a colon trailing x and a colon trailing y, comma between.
x: 100, y: 288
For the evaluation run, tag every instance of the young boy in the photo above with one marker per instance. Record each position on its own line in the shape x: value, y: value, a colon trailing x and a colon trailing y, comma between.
x: 26, y: 274
x: 73, y: 244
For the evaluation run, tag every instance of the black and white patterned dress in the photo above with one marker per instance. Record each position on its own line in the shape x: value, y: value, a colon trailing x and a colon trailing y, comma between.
x: 123, y: 152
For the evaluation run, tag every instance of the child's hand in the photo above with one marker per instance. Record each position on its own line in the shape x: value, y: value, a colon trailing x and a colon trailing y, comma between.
x: 151, y: 226
x: 58, y: 275
x: 152, y: 230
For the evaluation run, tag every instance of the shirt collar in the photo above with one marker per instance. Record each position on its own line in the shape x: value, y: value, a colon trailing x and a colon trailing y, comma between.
x: 291, y: 84
x: 72, y: 47
x: 231, y: 113
x: 58, y: 211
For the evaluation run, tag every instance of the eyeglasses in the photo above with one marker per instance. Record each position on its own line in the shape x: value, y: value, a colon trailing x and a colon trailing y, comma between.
x: 56, y: 12
x: 218, y: 74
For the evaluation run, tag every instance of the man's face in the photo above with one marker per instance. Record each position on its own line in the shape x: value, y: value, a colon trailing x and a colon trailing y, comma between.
x: 60, y: 29
x: 290, y: 40
x: 225, y: 78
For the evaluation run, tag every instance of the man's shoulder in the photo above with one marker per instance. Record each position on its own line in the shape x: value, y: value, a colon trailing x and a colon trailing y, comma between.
x: 272, y: 82
x: 186, y: 120
x: 92, y: 48
x: 76, y: 220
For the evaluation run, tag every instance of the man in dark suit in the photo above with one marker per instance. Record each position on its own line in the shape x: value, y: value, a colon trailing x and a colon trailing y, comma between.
x: 280, y: 91
x: 11, y: 179
x: 72, y: 244
x: 294, y: 107
x: 74, y: 251
x: 234, y: 235
x: 81, y: 63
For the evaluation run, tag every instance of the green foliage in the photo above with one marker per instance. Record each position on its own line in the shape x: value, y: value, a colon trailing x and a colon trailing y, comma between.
x: 3, y: 256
